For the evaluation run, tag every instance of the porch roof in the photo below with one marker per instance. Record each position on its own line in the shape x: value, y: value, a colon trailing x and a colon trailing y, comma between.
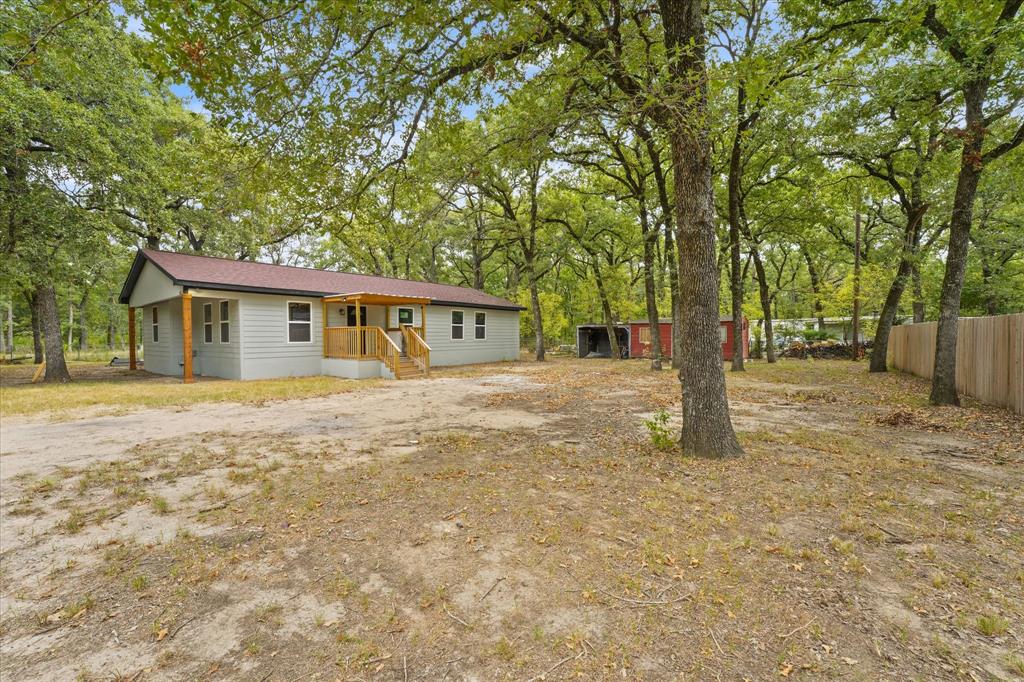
x: 370, y: 298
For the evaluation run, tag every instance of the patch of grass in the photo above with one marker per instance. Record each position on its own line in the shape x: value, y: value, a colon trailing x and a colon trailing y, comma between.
x: 270, y: 614
x: 44, y: 485
x: 67, y: 400
x: 74, y: 523
x: 1015, y: 663
x: 992, y: 625
x: 160, y: 505
x: 504, y: 649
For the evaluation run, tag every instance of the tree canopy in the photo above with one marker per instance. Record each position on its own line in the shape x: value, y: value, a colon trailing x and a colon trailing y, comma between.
x: 597, y: 161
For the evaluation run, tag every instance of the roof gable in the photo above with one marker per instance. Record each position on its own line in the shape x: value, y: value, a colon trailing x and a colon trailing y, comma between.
x: 231, y: 275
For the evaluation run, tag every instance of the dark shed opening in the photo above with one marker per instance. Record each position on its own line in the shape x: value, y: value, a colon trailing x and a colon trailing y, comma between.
x: 592, y: 341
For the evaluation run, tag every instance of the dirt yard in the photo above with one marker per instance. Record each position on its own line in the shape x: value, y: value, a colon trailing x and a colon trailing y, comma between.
x: 515, y: 522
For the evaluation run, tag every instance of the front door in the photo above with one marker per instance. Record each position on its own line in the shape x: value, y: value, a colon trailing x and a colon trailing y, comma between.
x: 352, y: 315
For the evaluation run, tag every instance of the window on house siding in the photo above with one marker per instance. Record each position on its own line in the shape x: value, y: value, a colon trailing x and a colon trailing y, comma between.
x: 404, y: 316
x: 300, y: 322
x: 457, y: 317
x: 225, y: 322
x: 156, y: 324
x: 723, y: 333
x: 207, y: 323
x: 481, y: 325
x: 645, y: 335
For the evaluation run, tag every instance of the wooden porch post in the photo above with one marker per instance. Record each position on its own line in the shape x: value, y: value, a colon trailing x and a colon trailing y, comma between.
x: 132, y: 364
x: 423, y: 320
x: 186, y: 337
x: 359, y: 332
x: 324, y: 326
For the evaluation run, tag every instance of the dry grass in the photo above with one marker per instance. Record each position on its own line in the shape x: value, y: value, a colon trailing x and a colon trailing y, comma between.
x: 98, y: 389
x: 843, y: 545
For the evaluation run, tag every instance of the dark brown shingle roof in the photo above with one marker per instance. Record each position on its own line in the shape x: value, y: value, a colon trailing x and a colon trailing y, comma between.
x: 233, y: 275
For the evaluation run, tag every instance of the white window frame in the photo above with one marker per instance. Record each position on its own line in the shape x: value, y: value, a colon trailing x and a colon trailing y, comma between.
x: 224, y: 322
x: 412, y: 315
x: 477, y: 325
x: 452, y: 325
x: 154, y: 318
x: 207, y: 325
x: 723, y: 334
x: 288, y: 322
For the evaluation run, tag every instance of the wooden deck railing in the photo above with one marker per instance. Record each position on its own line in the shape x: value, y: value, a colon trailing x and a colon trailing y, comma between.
x: 388, y: 352
x: 363, y: 343
x: 416, y: 348
x: 343, y: 342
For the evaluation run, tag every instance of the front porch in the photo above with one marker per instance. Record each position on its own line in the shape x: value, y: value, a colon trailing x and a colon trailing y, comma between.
x: 352, y: 345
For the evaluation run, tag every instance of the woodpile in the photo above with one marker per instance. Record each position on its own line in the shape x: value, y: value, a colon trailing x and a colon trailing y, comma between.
x: 823, y: 350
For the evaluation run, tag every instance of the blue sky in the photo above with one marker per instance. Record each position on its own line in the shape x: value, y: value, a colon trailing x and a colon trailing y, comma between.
x: 181, y: 90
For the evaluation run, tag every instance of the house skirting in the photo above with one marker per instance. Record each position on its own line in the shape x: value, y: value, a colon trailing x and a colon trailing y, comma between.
x: 353, y: 369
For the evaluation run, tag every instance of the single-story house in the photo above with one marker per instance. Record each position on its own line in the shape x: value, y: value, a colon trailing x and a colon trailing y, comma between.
x: 634, y: 338
x: 245, y: 320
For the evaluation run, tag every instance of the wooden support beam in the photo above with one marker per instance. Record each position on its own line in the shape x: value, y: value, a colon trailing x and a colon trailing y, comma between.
x: 132, y: 363
x: 186, y: 337
x: 325, y: 327
x: 423, y: 321
x: 359, y: 331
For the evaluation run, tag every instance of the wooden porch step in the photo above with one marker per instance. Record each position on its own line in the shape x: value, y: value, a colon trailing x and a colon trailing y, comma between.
x: 409, y: 369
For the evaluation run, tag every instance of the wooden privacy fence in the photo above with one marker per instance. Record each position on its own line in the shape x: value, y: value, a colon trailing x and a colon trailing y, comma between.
x: 989, y: 356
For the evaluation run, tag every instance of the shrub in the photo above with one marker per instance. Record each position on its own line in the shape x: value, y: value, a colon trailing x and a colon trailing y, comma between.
x: 661, y: 435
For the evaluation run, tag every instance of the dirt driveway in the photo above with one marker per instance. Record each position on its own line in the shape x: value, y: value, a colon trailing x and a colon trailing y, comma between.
x: 513, y: 523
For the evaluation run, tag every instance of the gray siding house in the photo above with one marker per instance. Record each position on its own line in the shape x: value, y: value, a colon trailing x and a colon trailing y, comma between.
x: 243, y: 320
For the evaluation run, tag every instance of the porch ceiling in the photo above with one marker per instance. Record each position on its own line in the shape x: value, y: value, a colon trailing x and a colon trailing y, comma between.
x: 376, y: 299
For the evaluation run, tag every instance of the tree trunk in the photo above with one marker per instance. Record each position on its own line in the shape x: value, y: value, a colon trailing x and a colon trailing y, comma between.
x: 944, y: 374
x: 538, y: 322
x: 735, y: 213
x: 887, y: 317
x: 919, y: 310
x: 991, y: 299
x: 71, y: 324
x: 735, y: 272
x: 10, y: 328
x: 670, y: 248
x: 83, y: 325
x: 111, y: 328
x: 812, y: 272
x: 856, y: 287
x: 707, y: 429
x: 650, y: 293
x: 477, y: 251
x: 606, y: 308
x: 908, y: 255
x: 766, y: 302
x: 37, y: 327
x: 56, y: 366
x: 673, y: 282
